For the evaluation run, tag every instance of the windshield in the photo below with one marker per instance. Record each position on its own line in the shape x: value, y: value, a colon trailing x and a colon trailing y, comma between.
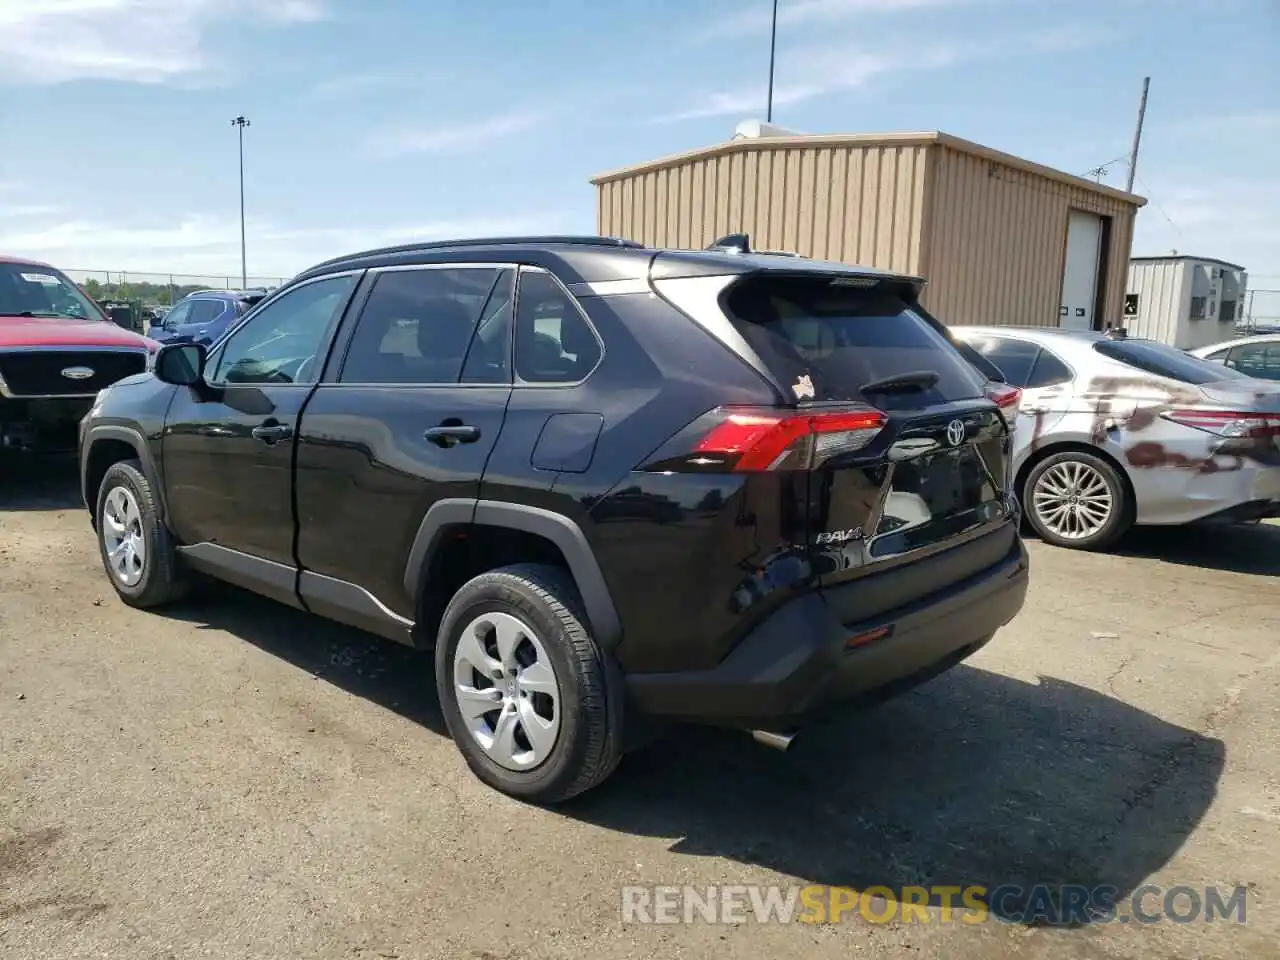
x: 1165, y: 361
x: 31, y: 291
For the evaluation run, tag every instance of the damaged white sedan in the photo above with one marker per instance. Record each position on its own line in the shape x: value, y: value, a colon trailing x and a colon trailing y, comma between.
x: 1113, y: 431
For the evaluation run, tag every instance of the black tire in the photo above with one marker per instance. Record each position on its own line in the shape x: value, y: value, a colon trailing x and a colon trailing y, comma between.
x: 589, y: 744
x: 163, y: 580
x: 1116, y: 524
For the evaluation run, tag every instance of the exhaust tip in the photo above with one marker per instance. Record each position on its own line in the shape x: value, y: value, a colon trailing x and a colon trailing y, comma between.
x: 773, y: 739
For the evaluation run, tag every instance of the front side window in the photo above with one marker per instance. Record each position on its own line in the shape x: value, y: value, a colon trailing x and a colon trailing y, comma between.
x: 204, y: 311
x: 554, y: 342
x: 281, y: 343
x: 178, y: 315
x: 31, y: 291
x: 418, y: 327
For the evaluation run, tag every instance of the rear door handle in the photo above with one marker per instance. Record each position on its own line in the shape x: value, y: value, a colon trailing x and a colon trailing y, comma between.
x: 270, y: 433
x: 448, y: 435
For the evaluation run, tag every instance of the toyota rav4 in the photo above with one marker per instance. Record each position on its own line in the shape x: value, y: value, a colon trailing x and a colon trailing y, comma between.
x: 602, y: 482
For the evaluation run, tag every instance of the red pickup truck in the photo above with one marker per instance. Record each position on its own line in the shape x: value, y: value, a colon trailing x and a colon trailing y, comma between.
x: 57, y: 350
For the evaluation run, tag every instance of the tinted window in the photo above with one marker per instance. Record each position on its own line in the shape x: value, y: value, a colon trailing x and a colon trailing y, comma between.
x: 1261, y: 360
x: 842, y: 337
x: 1164, y: 361
x: 417, y: 325
x: 1014, y: 358
x: 1219, y: 355
x: 489, y: 356
x: 281, y: 342
x: 1049, y: 371
x: 202, y: 311
x: 554, y: 343
x: 984, y: 366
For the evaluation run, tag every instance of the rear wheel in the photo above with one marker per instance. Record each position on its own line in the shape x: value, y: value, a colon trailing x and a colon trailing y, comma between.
x: 1077, y: 500
x: 528, y: 697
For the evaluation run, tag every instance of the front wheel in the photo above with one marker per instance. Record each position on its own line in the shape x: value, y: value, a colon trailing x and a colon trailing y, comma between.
x: 527, y: 695
x: 137, y: 550
x: 1077, y: 500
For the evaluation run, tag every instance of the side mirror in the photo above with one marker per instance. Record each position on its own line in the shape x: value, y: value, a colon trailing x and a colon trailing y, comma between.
x: 181, y: 364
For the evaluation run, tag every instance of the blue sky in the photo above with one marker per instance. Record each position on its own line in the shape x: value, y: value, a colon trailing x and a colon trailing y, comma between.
x: 381, y: 120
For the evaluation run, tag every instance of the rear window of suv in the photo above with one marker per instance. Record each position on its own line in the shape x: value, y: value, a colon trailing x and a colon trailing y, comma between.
x: 1165, y: 361
x: 843, y: 337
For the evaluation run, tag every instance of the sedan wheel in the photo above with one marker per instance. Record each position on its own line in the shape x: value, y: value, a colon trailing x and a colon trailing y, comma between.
x: 1078, y: 500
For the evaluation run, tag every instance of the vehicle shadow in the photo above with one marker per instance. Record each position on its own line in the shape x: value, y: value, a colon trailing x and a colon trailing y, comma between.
x: 39, y: 483
x: 389, y: 674
x: 1239, y: 548
x: 972, y: 779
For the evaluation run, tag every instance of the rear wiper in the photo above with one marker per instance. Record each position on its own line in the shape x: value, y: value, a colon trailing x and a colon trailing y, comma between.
x: 902, y: 382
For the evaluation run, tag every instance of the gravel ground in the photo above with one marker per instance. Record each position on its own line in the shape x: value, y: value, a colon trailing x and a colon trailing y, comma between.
x: 232, y: 779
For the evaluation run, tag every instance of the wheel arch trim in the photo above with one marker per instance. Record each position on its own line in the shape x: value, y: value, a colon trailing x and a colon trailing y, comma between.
x: 134, y: 438
x: 554, y: 527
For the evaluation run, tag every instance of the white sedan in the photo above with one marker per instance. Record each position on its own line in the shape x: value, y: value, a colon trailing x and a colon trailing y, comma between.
x: 1257, y: 356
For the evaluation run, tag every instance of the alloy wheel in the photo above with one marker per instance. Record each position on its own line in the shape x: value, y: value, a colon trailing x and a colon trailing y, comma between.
x: 1072, y: 500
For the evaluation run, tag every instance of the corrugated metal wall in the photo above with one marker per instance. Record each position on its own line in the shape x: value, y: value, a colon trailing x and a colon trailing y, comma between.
x: 853, y: 203
x: 1163, y: 289
x: 996, y: 242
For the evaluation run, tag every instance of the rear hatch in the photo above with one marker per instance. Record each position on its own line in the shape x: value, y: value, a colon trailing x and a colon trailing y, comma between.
x: 901, y: 446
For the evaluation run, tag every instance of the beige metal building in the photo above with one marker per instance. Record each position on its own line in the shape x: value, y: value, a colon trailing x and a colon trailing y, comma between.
x: 1000, y: 239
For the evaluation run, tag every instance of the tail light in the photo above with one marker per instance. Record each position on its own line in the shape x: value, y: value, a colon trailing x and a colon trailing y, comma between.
x: 1007, y: 399
x: 751, y: 441
x: 1231, y: 424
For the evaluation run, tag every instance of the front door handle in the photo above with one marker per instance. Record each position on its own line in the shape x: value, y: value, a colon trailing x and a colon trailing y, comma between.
x: 447, y: 434
x: 272, y: 432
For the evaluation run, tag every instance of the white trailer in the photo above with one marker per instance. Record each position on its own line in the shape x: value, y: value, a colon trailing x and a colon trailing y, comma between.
x: 1184, y: 301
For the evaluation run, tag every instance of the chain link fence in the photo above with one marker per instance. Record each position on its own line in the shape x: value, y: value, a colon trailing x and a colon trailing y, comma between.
x: 1261, y: 311
x: 160, y: 289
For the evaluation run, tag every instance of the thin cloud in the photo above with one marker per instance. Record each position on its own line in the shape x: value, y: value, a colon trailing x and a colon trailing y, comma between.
x: 823, y: 70
x: 758, y: 17
x: 210, y: 246
x: 354, y: 84
x: 457, y: 138
x: 140, y: 41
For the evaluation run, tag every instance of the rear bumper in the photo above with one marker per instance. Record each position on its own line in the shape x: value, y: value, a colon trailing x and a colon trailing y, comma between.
x: 796, y: 663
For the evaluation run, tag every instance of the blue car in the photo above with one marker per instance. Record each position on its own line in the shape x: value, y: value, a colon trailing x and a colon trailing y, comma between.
x: 201, y: 317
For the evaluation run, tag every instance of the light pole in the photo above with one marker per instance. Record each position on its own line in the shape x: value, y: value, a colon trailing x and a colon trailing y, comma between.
x: 240, y: 123
x: 773, y: 47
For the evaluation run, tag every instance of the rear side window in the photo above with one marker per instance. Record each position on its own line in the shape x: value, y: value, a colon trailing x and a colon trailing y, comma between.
x: 1014, y: 358
x: 554, y: 342
x: 1165, y: 361
x: 417, y: 325
x: 844, y: 337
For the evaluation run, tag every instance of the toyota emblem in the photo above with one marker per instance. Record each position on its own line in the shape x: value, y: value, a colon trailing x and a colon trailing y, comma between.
x: 955, y: 433
x: 78, y: 373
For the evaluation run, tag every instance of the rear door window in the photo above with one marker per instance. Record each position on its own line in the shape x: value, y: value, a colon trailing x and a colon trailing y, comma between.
x: 831, y: 338
x: 1261, y: 360
x: 1014, y: 358
x: 203, y: 311
x: 1165, y: 361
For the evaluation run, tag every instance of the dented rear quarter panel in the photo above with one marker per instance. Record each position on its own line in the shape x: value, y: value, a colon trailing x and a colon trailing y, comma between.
x: 1178, y: 474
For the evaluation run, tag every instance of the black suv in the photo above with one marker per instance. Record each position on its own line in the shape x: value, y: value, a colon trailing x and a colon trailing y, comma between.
x: 604, y: 482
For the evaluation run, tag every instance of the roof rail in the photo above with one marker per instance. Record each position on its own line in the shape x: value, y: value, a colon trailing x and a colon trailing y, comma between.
x: 587, y: 241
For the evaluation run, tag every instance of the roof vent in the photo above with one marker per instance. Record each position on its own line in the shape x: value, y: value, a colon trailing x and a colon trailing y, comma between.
x: 755, y: 129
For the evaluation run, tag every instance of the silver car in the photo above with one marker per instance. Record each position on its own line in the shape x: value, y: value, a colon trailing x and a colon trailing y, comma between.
x: 1256, y: 356
x: 1114, y: 431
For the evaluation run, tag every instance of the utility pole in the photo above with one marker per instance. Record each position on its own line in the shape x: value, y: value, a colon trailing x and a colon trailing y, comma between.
x: 240, y: 123
x: 1137, y: 135
x: 773, y: 49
